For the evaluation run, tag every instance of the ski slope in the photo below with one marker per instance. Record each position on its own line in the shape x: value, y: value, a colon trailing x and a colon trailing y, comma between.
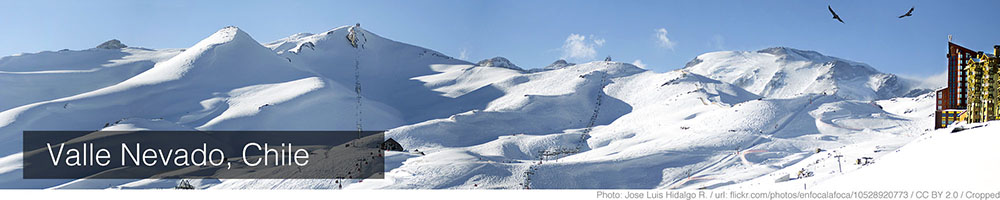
x: 936, y: 160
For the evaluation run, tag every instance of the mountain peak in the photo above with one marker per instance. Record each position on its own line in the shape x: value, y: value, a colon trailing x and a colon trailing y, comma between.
x: 498, y: 62
x: 806, y: 55
x: 784, y: 72
x: 228, y: 51
x: 559, y: 64
x: 111, y: 44
x: 229, y: 33
x: 777, y: 50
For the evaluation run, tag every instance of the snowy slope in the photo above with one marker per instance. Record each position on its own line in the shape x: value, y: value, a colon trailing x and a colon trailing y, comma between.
x: 385, y: 69
x: 728, y: 120
x: 187, y: 89
x: 669, y: 137
x: 782, y: 72
x: 227, y: 81
x: 875, y: 143
x: 937, y: 160
x: 550, y: 112
x: 29, y: 78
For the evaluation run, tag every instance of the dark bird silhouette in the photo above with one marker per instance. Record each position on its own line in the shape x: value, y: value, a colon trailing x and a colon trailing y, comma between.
x: 835, y: 16
x: 908, y: 13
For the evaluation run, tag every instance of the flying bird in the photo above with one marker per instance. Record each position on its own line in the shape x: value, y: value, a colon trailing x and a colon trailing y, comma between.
x: 835, y: 16
x: 908, y: 13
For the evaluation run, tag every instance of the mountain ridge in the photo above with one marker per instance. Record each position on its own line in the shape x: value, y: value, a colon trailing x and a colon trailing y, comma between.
x: 782, y: 72
x: 484, y: 127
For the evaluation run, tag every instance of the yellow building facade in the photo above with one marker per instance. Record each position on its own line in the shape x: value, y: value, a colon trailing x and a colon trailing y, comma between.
x: 983, y: 82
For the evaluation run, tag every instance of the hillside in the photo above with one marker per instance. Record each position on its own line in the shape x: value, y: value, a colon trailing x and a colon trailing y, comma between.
x: 944, y: 159
x: 783, y: 72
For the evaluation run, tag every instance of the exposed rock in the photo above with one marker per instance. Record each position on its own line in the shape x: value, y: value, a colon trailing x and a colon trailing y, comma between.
x: 559, y: 64
x: 111, y: 44
x: 498, y: 62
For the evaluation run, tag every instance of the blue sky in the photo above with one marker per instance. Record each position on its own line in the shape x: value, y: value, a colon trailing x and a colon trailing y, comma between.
x: 533, y: 34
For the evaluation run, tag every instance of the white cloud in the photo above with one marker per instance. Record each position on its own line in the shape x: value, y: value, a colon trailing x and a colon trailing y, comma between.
x: 638, y: 63
x: 663, y: 40
x: 577, y: 47
x: 935, y: 81
x: 598, y: 42
x: 463, y: 55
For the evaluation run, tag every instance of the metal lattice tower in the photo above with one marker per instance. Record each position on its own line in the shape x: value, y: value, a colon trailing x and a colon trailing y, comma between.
x: 597, y: 108
x: 352, y: 37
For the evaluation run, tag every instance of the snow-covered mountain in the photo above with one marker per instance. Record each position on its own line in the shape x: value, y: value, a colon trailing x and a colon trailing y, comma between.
x: 227, y: 81
x: 386, y: 70
x: 599, y: 124
x: 783, y: 72
x: 558, y: 64
x: 112, y: 44
x: 498, y: 62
